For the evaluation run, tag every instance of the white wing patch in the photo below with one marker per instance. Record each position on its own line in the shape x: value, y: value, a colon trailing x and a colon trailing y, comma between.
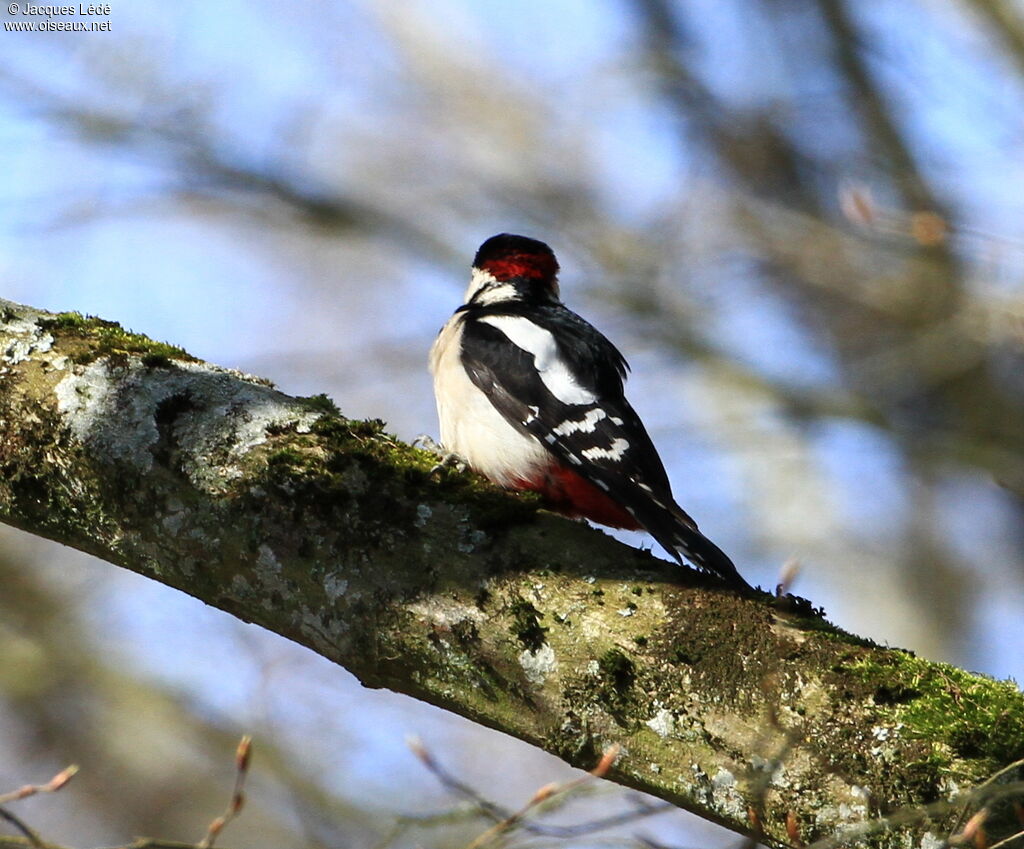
x: 584, y: 425
x: 552, y: 369
x: 612, y: 452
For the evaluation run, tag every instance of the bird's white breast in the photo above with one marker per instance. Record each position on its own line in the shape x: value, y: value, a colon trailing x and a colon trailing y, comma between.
x: 471, y: 426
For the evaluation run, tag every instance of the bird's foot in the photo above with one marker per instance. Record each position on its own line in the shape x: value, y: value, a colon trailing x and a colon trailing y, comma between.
x: 449, y: 459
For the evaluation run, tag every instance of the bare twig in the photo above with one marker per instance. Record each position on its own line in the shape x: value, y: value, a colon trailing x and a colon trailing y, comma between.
x: 548, y: 796
x: 1006, y: 841
x: 51, y: 786
x: 243, y: 757
x: 973, y: 830
x: 544, y: 794
x: 450, y: 782
x: 23, y: 792
x: 988, y: 782
x: 983, y: 794
x: 19, y: 824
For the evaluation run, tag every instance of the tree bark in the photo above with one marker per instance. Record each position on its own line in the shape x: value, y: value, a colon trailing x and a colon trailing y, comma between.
x: 332, y: 533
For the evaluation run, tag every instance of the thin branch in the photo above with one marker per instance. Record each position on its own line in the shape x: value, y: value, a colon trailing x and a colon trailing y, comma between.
x: 547, y: 797
x: 19, y: 824
x: 243, y: 758
x: 55, y: 784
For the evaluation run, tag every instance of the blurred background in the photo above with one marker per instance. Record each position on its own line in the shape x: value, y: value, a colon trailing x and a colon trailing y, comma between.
x: 801, y: 221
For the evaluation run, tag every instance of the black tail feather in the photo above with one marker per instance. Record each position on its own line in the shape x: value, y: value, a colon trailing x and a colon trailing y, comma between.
x: 708, y: 557
x: 680, y: 537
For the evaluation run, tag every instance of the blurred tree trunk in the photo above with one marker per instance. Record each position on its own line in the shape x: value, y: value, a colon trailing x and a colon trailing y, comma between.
x: 332, y: 533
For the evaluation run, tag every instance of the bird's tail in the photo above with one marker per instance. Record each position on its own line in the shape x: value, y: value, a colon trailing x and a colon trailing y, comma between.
x: 679, y: 535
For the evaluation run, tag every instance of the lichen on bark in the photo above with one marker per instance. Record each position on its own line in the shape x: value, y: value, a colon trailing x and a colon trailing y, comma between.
x: 335, y: 534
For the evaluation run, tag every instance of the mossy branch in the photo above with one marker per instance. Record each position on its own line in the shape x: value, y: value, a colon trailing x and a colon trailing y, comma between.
x: 332, y: 533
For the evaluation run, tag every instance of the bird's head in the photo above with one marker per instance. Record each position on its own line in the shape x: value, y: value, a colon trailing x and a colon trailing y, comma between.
x: 508, y: 267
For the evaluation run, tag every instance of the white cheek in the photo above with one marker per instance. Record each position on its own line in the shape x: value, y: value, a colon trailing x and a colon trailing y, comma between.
x: 553, y: 371
x: 484, y: 288
x: 478, y: 280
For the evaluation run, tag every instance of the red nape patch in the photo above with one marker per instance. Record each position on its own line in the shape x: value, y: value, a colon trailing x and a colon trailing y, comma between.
x: 571, y: 495
x: 534, y: 266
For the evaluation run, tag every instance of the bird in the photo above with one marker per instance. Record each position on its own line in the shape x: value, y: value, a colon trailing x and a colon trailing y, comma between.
x: 531, y: 396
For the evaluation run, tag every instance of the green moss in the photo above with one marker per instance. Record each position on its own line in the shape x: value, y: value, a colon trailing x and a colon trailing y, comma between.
x: 616, y: 676
x: 47, y: 501
x: 728, y: 647
x: 975, y: 716
x: 680, y: 655
x: 286, y: 457
x: 339, y: 462
x: 107, y: 338
x: 157, y: 361
x: 71, y: 320
x: 492, y: 507
x: 526, y: 627
x: 815, y: 621
x: 609, y: 686
x: 321, y: 403
x: 366, y: 429
x: 324, y: 475
x: 368, y: 439
x: 617, y: 669
x: 795, y: 605
x: 346, y: 439
x: 574, y: 743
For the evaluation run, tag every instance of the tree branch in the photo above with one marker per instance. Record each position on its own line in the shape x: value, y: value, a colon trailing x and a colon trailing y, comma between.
x: 333, y: 534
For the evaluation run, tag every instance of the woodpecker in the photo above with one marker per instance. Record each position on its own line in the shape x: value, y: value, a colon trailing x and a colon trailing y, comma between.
x: 531, y: 396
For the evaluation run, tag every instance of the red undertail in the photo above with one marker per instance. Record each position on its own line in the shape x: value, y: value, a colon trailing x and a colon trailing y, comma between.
x: 572, y: 495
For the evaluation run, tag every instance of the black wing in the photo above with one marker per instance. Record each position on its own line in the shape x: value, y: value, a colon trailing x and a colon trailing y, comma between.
x: 603, y: 438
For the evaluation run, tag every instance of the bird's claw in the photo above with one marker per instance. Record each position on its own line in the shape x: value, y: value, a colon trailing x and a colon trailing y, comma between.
x: 427, y: 443
x: 449, y: 460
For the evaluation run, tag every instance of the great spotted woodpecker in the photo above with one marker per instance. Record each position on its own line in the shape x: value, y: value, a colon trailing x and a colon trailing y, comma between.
x: 531, y: 396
